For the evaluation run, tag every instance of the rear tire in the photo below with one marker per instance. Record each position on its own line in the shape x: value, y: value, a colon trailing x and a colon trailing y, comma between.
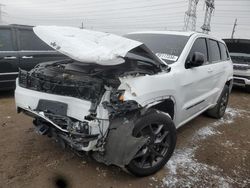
x: 161, y: 133
x: 219, y: 110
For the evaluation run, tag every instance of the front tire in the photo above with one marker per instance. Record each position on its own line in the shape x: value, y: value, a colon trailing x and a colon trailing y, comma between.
x: 219, y: 110
x: 161, y: 133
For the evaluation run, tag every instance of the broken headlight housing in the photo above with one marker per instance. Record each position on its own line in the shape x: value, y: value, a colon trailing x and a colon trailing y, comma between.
x: 118, y: 106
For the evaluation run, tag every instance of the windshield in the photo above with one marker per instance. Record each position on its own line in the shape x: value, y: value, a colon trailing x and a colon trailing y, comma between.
x: 240, y: 58
x: 165, y: 46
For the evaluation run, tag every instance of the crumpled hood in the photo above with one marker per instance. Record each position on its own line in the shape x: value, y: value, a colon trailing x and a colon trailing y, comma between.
x: 86, y: 45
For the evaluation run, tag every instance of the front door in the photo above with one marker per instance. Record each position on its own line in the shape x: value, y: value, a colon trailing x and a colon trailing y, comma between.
x: 196, y: 83
x: 8, y: 59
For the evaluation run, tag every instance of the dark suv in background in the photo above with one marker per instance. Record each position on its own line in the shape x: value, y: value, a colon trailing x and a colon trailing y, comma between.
x: 21, y: 48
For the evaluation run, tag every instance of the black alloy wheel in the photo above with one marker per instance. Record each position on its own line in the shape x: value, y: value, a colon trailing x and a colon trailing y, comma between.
x: 160, y: 133
x: 223, y: 104
x: 219, y: 110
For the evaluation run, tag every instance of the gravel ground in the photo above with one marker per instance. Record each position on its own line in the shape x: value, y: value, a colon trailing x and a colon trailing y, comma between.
x: 209, y: 153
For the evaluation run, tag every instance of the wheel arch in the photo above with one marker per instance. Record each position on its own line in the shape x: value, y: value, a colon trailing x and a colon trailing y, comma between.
x: 167, y: 106
x: 229, y: 83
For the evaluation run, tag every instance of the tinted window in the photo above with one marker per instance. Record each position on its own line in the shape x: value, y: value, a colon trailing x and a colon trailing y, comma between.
x: 29, y: 41
x: 6, y: 40
x: 214, y: 51
x: 199, y: 45
x: 223, y: 50
x: 167, y: 47
x: 241, y: 58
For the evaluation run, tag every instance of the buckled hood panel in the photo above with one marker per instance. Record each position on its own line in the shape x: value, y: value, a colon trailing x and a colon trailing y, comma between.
x: 87, y: 46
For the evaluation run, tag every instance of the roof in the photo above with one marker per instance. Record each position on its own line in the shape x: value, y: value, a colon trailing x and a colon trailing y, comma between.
x: 16, y: 26
x: 184, y: 33
x: 20, y: 25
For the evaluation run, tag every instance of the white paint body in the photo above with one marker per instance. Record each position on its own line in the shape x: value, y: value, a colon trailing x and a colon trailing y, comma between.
x: 186, y: 87
x: 241, y: 75
x: 241, y: 70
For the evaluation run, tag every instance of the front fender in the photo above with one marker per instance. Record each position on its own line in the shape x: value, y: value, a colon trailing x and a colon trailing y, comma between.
x: 121, y: 146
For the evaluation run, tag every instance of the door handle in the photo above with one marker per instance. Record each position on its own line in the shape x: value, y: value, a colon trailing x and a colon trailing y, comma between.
x: 27, y: 57
x: 9, y: 57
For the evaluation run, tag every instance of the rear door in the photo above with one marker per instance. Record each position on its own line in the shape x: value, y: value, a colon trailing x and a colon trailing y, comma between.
x: 33, y: 50
x: 219, y: 60
x: 8, y: 58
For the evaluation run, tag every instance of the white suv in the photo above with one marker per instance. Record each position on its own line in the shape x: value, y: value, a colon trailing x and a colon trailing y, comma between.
x: 240, y: 55
x: 122, y: 98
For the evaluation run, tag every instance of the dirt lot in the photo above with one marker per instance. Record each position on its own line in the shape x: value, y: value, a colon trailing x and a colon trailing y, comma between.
x: 209, y: 153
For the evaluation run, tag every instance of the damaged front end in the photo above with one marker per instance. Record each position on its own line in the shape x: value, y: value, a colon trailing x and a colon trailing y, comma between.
x: 79, y: 104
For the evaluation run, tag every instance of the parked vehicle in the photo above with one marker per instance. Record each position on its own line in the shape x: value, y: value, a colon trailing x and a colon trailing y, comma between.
x: 122, y: 98
x: 21, y: 48
x: 239, y: 50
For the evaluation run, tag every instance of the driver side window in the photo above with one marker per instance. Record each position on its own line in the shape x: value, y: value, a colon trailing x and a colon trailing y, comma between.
x: 200, y: 45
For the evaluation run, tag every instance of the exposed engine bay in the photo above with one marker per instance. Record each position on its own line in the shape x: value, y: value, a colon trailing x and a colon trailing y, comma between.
x: 62, y: 77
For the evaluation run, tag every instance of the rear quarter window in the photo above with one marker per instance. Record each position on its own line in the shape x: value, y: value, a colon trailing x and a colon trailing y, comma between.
x: 214, y: 51
x: 223, y: 50
x: 6, y: 40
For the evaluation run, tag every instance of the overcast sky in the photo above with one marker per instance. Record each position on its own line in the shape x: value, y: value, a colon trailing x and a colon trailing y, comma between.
x: 122, y: 16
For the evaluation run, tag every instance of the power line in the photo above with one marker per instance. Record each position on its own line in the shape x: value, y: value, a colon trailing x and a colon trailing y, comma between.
x: 104, y: 5
x: 93, y: 16
x: 128, y: 22
x: 145, y: 9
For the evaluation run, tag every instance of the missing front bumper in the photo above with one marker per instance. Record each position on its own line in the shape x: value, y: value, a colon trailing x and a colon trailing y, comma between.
x: 80, y: 141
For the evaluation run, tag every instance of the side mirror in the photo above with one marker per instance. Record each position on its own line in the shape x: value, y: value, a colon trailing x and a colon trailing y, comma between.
x: 196, y: 60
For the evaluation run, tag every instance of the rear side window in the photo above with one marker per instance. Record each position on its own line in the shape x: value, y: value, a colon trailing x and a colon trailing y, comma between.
x: 200, y: 45
x: 6, y: 40
x: 214, y: 51
x: 223, y: 50
x: 29, y: 41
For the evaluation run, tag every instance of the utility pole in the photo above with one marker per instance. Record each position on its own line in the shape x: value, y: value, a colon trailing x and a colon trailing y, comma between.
x: 235, y: 24
x: 208, y: 14
x: 190, y: 16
